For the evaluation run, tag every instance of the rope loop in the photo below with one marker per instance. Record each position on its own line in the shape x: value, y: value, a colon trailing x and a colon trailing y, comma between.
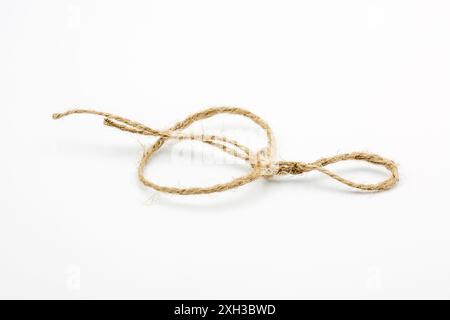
x: 261, y: 162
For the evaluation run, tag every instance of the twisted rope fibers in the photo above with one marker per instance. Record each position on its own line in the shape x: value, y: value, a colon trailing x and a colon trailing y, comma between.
x: 262, y: 163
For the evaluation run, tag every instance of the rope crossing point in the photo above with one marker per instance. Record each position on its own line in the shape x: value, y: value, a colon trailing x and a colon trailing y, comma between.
x: 262, y: 162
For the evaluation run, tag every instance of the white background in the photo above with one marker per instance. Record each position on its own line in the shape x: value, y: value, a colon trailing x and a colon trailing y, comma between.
x: 328, y: 76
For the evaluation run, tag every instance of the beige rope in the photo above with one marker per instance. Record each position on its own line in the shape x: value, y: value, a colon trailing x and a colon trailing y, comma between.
x: 261, y: 162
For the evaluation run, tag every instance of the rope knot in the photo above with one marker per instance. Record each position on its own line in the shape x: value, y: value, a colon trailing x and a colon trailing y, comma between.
x: 292, y: 167
x: 261, y: 162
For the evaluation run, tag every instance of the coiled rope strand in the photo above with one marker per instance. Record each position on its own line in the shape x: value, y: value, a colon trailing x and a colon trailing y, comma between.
x: 261, y: 162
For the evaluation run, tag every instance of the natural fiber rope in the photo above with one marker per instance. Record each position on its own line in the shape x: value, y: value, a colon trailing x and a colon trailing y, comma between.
x: 261, y: 162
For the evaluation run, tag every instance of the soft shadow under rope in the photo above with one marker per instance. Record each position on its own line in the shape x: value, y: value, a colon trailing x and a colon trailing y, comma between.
x: 261, y: 162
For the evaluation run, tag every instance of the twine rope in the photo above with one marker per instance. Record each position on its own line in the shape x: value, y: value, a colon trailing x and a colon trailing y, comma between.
x: 262, y: 163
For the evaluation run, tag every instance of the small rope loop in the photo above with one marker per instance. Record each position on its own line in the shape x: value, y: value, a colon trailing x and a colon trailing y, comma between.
x: 261, y: 162
x: 295, y: 168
